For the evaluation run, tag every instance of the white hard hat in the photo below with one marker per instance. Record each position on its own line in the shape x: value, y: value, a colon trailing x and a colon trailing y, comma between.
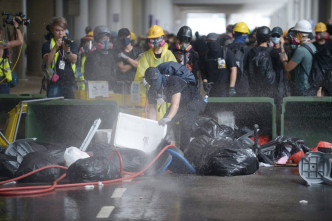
x: 303, y: 26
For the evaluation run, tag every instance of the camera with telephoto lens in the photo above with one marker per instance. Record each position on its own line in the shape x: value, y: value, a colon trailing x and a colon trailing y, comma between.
x: 9, y: 18
x: 68, y: 42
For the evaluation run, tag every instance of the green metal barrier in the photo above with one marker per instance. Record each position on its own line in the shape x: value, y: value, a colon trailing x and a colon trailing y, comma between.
x: 308, y: 118
x: 67, y: 122
x: 247, y: 111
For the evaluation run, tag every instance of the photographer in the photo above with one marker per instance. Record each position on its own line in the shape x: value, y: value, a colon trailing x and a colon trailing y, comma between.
x: 60, y: 54
x: 5, y: 71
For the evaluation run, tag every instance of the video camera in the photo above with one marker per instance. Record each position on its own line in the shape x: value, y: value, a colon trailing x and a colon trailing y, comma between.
x: 68, y: 42
x: 9, y: 18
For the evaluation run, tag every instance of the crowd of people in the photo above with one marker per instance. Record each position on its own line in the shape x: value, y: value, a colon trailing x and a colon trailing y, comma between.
x: 263, y: 62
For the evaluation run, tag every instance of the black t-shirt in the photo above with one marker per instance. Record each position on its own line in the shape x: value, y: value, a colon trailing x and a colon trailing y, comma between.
x: 173, y: 86
x: 212, y: 73
x: 66, y: 76
x: 134, y: 54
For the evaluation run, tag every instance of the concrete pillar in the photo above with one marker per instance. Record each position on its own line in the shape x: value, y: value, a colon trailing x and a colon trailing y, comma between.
x: 82, y: 20
x: 126, y: 18
x: 114, y: 14
x: 159, y: 12
x: 59, y: 8
x: 97, y: 13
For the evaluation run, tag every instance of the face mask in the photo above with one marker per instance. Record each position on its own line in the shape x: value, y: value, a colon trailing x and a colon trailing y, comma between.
x: 275, y: 40
x: 126, y: 41
x: 87, y: 47
x: 241, y: 38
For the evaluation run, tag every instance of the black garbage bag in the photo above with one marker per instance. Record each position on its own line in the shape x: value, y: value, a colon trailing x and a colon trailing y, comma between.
x: 292, y: 148
x: 93, y: 169
x: 221, y: 157
x: 210, y: 127
x: 132, y: 160
x: 36, y: 160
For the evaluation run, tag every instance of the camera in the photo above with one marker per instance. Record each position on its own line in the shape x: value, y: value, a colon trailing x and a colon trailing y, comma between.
x: 68, y: 42
x: 9, y: 18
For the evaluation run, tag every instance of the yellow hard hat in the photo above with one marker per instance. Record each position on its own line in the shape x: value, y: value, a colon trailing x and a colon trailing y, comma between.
x: 133, y: 36
x: 320, y: 27
x: 155, y: 32
x: 241, y: 27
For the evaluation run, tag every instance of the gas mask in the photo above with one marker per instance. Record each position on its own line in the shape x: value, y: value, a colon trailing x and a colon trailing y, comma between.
x: 104, y: 46
x: 270, y: 44
x: 156, y: 42
x: 87, y: 47
x: 321, y: 36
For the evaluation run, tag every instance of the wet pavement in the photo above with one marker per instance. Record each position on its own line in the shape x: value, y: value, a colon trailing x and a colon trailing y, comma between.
x: 271, y: 194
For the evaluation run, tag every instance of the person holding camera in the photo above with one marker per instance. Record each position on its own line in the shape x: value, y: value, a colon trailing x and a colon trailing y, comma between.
x: 60, y: 54
x: 5, y: 71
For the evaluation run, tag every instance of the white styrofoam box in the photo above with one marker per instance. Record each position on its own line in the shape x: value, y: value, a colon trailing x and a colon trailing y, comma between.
x: 103, y: 136
x: 138, y: 133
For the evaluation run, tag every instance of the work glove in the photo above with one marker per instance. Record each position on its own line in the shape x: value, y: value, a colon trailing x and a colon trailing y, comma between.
x: 122, y: 55
x: 231, y: 91
x: 164, y: 121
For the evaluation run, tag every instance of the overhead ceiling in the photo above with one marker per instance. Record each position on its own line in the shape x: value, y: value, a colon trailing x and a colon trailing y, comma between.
x: 265, y: 7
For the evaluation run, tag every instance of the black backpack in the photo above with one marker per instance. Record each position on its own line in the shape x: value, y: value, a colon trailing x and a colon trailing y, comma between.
x: 178, y: 70
x: 317, y: 75
x: 263, y: 68
x: 239, y: 50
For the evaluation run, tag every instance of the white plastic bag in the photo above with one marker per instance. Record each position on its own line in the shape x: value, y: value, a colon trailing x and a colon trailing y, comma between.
x: 72, y: 154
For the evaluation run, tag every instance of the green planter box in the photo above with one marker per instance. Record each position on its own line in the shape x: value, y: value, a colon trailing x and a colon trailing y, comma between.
x: 67, y: 122
x: 247, y: 111
x: 308, y: 118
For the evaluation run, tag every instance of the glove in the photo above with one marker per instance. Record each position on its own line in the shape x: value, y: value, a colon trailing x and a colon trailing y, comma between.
x: 122, y: 55
x: 164, y: 121
x: 231, y: 91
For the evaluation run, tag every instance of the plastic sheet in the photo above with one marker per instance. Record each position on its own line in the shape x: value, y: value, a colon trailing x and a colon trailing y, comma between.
x: 93, y: 169
x: 221, y: 157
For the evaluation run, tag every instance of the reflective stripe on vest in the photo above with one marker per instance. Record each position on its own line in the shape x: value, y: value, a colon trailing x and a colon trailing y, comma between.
x: 5, y: 70
x: 56, y: 56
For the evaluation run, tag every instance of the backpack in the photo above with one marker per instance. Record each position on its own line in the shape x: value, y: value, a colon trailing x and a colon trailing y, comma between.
x: 317, y: 75
x: 178, y: 70
x: 263, y: 67
x: 242, y: 84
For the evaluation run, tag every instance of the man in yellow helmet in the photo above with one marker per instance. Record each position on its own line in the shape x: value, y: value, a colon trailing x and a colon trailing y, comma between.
x: 157, y: 54
x: 240, y: 51
x: 5, y: 71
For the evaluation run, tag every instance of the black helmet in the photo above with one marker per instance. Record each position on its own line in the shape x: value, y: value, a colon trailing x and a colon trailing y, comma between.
x: 277, y: 31
x: 100, y: 31
x: 185, y: 34
x: 263, y: 34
